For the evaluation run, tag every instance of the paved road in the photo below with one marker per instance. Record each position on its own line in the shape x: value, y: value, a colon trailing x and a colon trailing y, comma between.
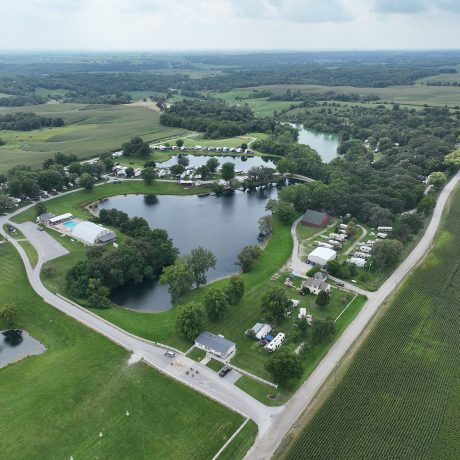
x: 267, y: 443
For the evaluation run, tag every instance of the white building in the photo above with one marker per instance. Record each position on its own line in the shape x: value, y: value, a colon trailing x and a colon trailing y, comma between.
x: 366, y: 249
x: 216, y: 344
x: 261, y: 330
x: 322, y: 256
x: 385, y: 229
x: 382, y: 235
x: 61, y: 218
x: 357, y: 262
x: 91, y: 233
x: 315, y: 286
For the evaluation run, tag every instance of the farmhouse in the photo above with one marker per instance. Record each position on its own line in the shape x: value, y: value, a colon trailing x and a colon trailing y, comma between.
x: 261, y: 330
x: 315, y: 286
x: 91, y: 233
x: 216, y: 344
x: 322, y: 256
x: 61, y: 218
x: 315, y: 218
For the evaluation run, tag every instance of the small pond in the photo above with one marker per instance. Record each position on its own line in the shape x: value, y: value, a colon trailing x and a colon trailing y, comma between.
x: 16, y: 344
x: 242, y: 163
x: 325, y: 144
x: 223, y: 224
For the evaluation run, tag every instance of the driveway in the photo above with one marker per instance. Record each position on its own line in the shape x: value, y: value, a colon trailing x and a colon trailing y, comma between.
x: 47, y: 247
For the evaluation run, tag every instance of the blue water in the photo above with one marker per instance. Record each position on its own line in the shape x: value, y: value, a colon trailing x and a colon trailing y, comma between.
x: 70, y: 224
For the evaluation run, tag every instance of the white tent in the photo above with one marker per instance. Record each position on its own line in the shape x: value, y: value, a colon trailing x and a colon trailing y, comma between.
x: 90, y: 233
x: 322, y: 256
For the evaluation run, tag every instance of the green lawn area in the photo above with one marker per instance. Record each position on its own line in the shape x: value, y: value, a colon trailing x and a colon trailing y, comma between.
x: 261, y: 391
x: 214, y: 365
x: 17, y: 234
x: 237, y: 449
x: 400, y: 397
x: 30, y: 251
x: 56, y: 404
x: 89, y: 131
x: 197, y: 354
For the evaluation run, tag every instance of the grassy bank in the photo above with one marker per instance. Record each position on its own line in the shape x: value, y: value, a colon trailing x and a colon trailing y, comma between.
x: 401, y: 394
x: 30, y: 251
x: 56, y: 404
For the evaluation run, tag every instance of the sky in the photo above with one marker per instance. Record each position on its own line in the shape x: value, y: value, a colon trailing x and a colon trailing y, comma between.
x: 229, y: 24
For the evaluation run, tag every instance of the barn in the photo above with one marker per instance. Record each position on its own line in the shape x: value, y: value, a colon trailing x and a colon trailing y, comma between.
x: 315, y: 218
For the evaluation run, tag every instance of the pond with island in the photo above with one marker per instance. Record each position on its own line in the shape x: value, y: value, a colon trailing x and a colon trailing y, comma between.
x: 16, y: 344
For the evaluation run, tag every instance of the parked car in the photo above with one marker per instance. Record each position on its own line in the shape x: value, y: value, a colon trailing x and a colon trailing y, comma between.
x: 170, y: 354
x: 340, y: 284
x: 224, y: 371
x: 40, y: 229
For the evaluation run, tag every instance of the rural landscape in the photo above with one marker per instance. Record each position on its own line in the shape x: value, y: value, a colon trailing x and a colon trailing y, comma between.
x: 211, y: 253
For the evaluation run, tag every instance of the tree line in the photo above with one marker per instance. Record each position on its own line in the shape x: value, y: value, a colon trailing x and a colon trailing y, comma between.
x: 22, y: 121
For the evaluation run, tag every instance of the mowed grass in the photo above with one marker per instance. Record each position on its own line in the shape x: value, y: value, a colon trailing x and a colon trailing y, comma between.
x: 30, y: 251
x: 55, y: 405
x: 89, y: 131
x: 400, y: 398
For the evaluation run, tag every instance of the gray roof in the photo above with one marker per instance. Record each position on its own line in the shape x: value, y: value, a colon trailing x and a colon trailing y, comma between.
x: 313, y: 282
x: 313, y: 217
x: 256, y: 328
x: 215, y: 342
x: 107, y: 237
x: 45, y: 217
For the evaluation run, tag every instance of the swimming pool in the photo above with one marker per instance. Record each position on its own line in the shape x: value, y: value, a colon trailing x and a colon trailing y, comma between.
x: 70, y: 224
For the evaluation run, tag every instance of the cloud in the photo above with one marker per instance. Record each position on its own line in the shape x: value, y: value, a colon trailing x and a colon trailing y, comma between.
x: 399, y: 6
x: 307, y: 11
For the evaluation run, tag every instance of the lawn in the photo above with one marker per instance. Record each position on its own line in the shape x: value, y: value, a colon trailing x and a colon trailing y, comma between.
x: 214, y: 365
x: 237, y: 449
x: 400, y: 397
x: 17, y: 234
x: 261, y: 391
x: 56, y: 404
x: 197, y: 354
x: 30, y: 251
x: 89, y: 131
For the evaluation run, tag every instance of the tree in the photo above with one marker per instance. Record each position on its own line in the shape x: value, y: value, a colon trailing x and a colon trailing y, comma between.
x: 2, y: 142
x: 284, y: 366
x: 244, y: 146
x: 136, y: 146
x: 148, y: 174
x: 235, y: 290
x: 129, y: 172
x: 98, y: 294
x: 204, y: 172
x: 216, y: 303
x: 322, y: 299
x: 385, y: 253
x: 179, y: 142
x: 322, y: 329
x: 248, y: 257
x: 150, y: 164
x: 199, y: 261
x: 179, y: 278
x: 87, y: 181
x: 275, y: 304
x: 426, y: 204
x: 183, y: 160
x: 176, y: 170
x: 379, y: 216
x: 265, y: 225
x: 437, y: 179
x: 40, y: 208
x: 212, y: 164
x: 228, y: 171
x: 285, y: 213
x: 190, y: 320
x: 8, y: 315
x: 6, y: 202
x: 452, y: 160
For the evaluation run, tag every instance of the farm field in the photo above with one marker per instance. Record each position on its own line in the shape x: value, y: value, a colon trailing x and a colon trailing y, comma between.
x: 86, y: 386
x: 89, y: 131
x: 416, y: 95
x: 400, y: 397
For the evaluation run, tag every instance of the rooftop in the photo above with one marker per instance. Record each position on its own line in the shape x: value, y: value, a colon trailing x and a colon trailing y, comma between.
x: 314, y: 217
x: 215, y: 342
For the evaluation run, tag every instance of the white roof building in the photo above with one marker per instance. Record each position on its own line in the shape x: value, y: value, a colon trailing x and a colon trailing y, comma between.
x: 261, y: 330
x: 322, y: 256
x: 61, y: 218
x: 357, y: 262
x: 91, y: 233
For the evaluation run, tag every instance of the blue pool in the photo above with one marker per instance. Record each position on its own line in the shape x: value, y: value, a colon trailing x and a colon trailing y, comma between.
x: 70, y: 224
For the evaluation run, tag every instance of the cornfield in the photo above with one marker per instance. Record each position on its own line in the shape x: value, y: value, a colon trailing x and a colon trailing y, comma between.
x: 400, y: 398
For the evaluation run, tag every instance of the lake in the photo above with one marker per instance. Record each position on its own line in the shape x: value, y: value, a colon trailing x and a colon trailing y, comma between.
x: 16, y: 344
x: 325, y: 144
x: 242, y: 163
x: 223, y: 224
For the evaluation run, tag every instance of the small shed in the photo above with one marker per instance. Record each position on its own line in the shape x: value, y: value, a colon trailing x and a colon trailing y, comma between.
x: 261, y: 330
x: 322, y: 256
x: 315, y: 218
x: 216, y: 344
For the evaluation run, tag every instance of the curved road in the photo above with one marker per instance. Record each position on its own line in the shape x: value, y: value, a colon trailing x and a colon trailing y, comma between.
x: 273, y: 422
x: 267, y: 443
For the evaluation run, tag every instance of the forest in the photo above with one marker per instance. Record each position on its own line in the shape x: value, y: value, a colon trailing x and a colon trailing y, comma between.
x: 27, y: 122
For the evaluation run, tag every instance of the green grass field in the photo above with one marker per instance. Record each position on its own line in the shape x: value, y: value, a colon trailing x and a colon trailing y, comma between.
x: 400, y: 398
x: 415, y: 95
x: 261, y: 391
x: 90, y: 130
x: 55, y: 405
x: 30, y: 251
x: 214, y: 365
x: 196, y: 354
